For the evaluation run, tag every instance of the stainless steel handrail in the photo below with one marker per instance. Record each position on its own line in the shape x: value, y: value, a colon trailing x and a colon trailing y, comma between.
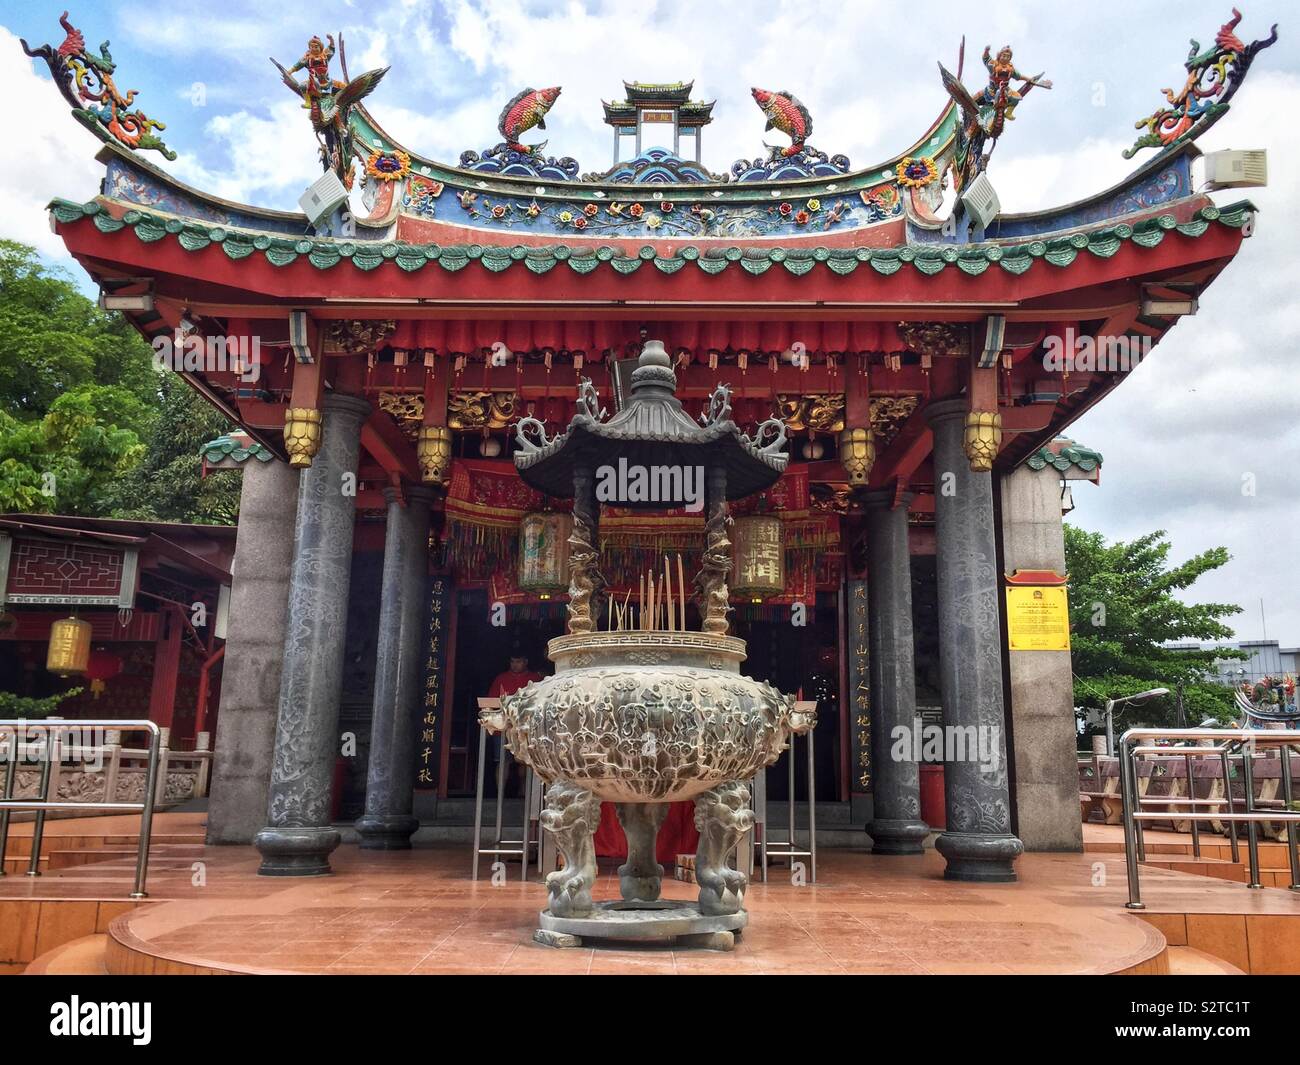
x: 1230, y: 742
x: 12, y: 748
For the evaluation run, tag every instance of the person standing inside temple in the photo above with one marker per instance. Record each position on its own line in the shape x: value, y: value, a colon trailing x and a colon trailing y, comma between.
x: 508, y: 682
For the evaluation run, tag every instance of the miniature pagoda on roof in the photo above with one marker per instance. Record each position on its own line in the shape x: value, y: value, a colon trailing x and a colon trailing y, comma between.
x: 648, y: 104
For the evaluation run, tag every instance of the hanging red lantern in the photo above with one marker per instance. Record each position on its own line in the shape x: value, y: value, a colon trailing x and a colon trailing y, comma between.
x: 102, y: 666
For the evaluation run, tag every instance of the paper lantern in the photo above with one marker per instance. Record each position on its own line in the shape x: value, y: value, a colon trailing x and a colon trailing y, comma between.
x: 69, y: 647
x: 102, y: 666
x: 544, y: 552
x: 758, y: 556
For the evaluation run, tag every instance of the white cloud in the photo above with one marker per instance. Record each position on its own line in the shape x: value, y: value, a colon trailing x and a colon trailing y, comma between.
x: 47, y: 144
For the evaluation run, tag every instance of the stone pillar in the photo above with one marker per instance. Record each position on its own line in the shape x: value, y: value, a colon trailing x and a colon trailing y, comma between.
x: 978, y: 843
x: 298, y: 839
x: 250, y: 678
x: 1042, y: 684
x: 399, y: 674
x: 897, y: 827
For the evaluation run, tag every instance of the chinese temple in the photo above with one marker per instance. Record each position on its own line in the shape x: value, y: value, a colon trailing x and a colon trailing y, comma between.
x: 400, y: 354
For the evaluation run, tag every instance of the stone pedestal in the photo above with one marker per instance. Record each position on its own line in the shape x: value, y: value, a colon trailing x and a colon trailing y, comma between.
x: 1042, y: 685
x: 387, y: 823
x: 897, y: 827
x: 298, y: 839
x: 250, y: 679
x: 978, y: 843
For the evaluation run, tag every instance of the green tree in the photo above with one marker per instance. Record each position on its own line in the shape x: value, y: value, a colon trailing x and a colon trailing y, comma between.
x: 87, y: 425
x: 167, y: 484
x: 1125, y: 609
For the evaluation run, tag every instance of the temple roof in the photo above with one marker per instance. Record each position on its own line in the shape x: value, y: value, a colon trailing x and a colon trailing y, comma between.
x: 1012, y: 256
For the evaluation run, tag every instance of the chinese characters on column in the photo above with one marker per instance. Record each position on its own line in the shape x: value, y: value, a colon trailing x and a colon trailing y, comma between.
x: 859, y: 684
x: 428, y: 743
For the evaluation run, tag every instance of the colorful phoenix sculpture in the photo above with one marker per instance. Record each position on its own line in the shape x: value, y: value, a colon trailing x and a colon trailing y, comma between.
x: 524, y: 112
x: 86, y: 81
x: 330, y: 102
x: 1213, y: 78
x: 785, y: 113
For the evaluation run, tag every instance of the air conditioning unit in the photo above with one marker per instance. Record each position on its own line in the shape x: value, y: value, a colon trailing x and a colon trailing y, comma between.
x: 1236, y: 170
x: 323, y: 197
x: 980, y: 202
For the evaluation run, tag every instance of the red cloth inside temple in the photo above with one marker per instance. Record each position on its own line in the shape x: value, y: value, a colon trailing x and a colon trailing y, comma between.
x: 677, y: 835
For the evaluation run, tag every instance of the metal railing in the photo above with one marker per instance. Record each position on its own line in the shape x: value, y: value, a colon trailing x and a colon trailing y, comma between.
x: 48, y: 751
x: 1224, y: 745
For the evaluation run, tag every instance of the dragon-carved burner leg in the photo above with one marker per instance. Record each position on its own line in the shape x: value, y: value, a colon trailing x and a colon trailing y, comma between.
x: 639, y: 878
x: 571, y: 816
x: 722, y: 816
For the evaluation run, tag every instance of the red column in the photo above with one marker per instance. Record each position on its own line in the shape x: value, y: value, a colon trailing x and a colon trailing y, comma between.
x: 166, y: 666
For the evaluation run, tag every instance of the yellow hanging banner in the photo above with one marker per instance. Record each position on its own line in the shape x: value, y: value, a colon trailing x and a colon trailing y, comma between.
x: 1038, y: 618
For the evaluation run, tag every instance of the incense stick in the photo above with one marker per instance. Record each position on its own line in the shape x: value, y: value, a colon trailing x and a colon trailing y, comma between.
x: 681, y: 584
x: 668, y: 592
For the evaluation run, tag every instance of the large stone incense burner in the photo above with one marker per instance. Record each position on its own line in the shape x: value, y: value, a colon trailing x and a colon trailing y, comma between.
x: 645, y: 715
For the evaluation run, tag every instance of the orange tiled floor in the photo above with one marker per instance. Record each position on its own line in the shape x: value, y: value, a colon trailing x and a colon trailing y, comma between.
x: 417, y: 912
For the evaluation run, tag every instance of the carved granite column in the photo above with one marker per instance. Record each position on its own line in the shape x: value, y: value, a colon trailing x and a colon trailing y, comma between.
x: 978, y: 843
x: 250, y: 682
x: 896, y: 827
x: 585, y: 580
x: 298, y: 839
x: 387, y: 823
x: 715, y: 565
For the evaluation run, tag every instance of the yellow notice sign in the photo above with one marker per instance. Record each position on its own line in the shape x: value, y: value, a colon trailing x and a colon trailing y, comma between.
x: 1038, y: 618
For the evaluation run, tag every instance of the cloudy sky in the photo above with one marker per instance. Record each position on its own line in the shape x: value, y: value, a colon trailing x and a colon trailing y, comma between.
x: 1218, y: 400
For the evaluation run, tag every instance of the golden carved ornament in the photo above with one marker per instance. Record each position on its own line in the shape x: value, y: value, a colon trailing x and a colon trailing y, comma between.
x: 982, y: 439
x: 936, y: 338
x: 406, y: 409
x: 357, y: 336
x: 301, y: 435
x: 480, y: 410
x: 822, y: 413
x: 433, y: 450
x: 888, y: 413
x: 857, y: 454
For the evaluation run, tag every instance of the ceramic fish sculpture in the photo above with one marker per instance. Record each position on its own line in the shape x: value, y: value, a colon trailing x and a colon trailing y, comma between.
x: 785, y: 113
x: 522, y: 113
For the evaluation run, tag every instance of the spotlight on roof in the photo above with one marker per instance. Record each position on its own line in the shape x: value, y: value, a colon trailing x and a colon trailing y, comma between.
x: 114, y: 299
x: 980, y: 202
x: 323, y: 198
x: 1236, y: 170
x: 1166, y: 302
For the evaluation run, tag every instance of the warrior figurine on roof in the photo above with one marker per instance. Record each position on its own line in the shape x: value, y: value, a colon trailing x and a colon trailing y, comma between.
x: 316, y: 61
x: 997, y: 102
x: 330, y: 102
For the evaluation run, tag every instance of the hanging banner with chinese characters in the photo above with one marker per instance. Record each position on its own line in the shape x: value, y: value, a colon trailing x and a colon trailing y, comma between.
x: 1038, y: 611
x: 859, y: 683
x: 428, y: 741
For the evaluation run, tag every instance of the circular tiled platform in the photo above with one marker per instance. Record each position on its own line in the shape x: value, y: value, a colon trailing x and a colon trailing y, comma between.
x: 416, y: 912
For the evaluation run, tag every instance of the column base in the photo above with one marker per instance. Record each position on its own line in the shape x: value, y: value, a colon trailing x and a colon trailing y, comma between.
x: 978, y: 856
x: 386, y: 832
x: 897, y: 836
x: 296, y: 851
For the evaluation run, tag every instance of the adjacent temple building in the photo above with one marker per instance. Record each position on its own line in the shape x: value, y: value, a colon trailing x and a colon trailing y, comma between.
x: 922, y: 352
